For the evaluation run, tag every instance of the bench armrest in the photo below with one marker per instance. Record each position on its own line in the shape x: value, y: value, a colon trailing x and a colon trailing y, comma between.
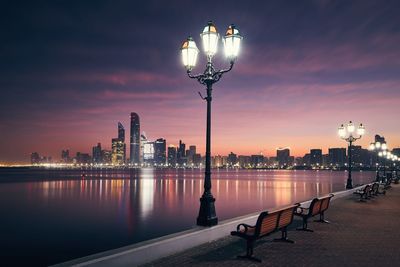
x: 301, y: 210
x: 246, y: 227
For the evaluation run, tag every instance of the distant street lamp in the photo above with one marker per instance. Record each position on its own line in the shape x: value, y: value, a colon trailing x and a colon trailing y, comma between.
x: 346, y: 133
x: 380, y: 149
x: 231, y: 40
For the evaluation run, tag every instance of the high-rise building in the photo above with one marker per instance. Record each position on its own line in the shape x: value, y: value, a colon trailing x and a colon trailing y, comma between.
x: 316, y: 157
x: 121, y: 132
x: 172, y: 156
x: 282, y: 156
x: 160, y: 151
x: 35, y: 158
x: 96, y: 153
x: 148, y: 152
x: 118, y: 151
x: 337, y: 156
x: 121, y: 136
x: 135, y: 139
x: 181, y: 154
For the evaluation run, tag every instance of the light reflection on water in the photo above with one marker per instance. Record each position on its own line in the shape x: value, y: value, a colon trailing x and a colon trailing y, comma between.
x: 73, y: 218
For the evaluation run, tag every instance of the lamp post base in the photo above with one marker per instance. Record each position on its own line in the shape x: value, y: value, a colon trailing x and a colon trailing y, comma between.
x: 349, y: 184
x: 207, y: 215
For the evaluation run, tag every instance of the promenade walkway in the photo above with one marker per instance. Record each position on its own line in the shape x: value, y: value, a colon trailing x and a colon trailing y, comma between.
x: 360, y: 234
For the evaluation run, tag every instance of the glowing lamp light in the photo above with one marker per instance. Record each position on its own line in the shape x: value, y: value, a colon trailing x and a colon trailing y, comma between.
x: 384, y: 153
x: 372, y: 147
x: 189, y: 52
x: 232, y: 40
x: 342, y: 131
x: 384, y: 146
x: 380, y: 154
x: 350, y: 127
x: 210, y: 38
x: 361, y: 130
x: 378, y: 144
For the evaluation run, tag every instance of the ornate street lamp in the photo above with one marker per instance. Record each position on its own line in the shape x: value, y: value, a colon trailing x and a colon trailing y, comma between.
x: 347, y: 134
x: 231, y: 40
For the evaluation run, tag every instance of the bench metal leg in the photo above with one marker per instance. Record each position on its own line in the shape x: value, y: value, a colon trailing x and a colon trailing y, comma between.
x: 321, y: 219
x: 284, y: 237
x: 305, y: 228
x: 249, y: 252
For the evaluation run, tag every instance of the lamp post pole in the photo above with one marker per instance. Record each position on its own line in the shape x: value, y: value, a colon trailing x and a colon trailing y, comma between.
x: 207, y: 215
x: 349, y: 184
x: 347, y: 135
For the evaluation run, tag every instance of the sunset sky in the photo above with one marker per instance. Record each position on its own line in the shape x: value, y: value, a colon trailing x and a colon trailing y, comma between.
x: 71, y: 70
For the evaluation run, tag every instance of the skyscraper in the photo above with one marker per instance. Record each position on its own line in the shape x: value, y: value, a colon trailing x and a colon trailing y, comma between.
x: 160, y: 151
x: 96, y: 153
x: 135, y: 139
x: 118, y: 147
x: 181, y: 153
x: 171, y: 156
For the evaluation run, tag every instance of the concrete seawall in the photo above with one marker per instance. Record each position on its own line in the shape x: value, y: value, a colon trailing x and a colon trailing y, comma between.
x: 153, y: 249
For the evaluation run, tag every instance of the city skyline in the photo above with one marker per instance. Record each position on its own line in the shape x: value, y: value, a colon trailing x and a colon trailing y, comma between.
x: 304, y: 69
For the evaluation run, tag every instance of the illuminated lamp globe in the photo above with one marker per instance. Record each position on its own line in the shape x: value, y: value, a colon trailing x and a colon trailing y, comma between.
x: 371, y: 147
x: 342, y: 131
x: 361, y: 130
x: 350, y: 127
x: 210, y: 38
x: 232, y: 40
x: 384, y: 146
x: 189, y: 52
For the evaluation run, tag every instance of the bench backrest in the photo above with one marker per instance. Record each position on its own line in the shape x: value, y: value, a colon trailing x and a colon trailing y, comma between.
x: 269, y: 222
x: 325, y: 202
x: 315, y: 206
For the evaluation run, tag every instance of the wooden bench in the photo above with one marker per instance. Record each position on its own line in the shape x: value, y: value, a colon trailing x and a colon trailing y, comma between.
x: 364, y: 193
x: 267, y: 223
x: 318, y: 206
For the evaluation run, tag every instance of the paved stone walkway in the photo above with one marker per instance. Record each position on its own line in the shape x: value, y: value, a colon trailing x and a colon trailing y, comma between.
x: 360, y: 234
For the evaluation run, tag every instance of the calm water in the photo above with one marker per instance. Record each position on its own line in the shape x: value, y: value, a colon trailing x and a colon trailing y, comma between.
x: 65, y: 217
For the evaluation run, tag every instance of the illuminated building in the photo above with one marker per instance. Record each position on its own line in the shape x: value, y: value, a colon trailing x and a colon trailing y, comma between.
x: 118, y: 147
x: 148, y: 152
x: 135, y: 139
x: 106, y: 156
